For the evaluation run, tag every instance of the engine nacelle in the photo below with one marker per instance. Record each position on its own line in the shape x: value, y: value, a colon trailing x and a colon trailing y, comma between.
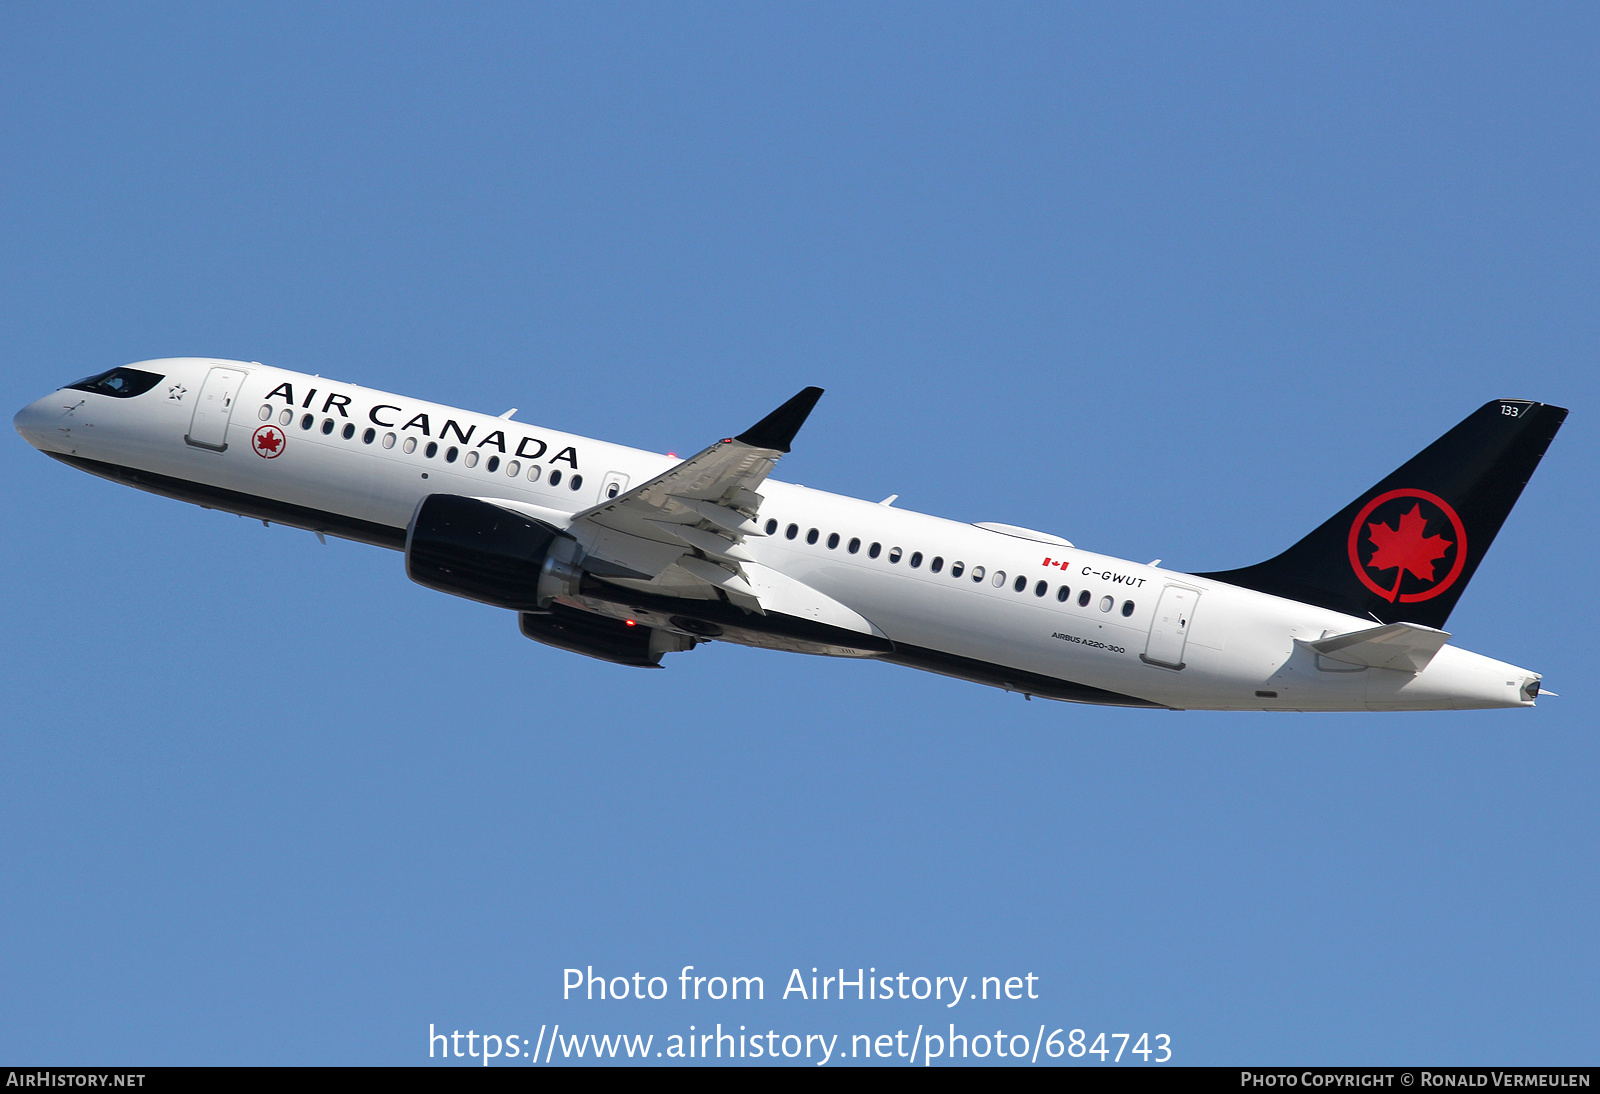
x: 602, y: 636
x: 484, y: 552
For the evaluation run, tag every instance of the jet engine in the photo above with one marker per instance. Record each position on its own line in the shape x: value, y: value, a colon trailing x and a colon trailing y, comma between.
x: 484, y: 552
x: 623, y: 642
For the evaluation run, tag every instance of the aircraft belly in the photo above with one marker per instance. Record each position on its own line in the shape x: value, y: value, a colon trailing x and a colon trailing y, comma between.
x: 985, y: 624
x: 1269, y: 665
x: 317, y: 475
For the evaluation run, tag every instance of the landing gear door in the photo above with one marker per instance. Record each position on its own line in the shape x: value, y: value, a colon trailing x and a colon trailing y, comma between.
x: 209, y: 427
x: 1169, y: 630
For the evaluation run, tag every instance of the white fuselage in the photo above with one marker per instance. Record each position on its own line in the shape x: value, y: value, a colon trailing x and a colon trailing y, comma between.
x: 994, y: 599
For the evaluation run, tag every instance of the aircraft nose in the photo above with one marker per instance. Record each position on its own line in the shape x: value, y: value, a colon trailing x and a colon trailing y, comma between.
x: 36, y: 422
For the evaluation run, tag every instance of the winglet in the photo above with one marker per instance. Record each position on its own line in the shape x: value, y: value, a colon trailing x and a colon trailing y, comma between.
x: 777, y: 430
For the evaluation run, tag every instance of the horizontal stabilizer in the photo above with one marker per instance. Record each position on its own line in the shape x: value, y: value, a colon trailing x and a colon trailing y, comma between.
x: 1407, y: 647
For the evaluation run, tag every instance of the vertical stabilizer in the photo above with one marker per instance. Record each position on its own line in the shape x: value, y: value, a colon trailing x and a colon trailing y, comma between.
x: 1405, y: 549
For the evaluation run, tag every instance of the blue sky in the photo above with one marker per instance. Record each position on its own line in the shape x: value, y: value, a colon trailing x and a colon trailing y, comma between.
x: 1169, y: 280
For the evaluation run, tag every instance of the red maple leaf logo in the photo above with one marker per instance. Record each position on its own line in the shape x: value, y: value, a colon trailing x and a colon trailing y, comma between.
x: 268, y: 441
x: 1405, y: 548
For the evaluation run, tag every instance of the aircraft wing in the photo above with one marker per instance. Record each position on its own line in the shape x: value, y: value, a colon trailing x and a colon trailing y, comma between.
x: 680, y: 535
x: 693, y: 518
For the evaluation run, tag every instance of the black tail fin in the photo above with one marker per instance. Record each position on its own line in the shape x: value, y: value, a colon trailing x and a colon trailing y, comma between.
x: 1404, y: 550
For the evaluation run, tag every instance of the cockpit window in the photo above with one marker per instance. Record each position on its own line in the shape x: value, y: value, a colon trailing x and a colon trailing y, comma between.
x: 119, y: 383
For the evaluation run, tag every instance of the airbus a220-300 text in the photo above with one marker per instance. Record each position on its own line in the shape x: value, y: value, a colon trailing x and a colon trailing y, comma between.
x: 627, y: 555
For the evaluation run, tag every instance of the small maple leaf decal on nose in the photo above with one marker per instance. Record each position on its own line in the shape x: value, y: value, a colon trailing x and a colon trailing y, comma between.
x: 1406, y: 547
x: 270, y: 442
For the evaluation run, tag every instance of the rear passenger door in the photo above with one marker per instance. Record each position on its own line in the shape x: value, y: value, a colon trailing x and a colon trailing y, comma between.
x: 1169, y: 629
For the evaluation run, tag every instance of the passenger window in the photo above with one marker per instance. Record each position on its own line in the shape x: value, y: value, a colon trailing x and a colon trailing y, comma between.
x: 998, y: 579
x: 1105, y: 603
x: 1127, y: 608
x: 369, y: 436
x: 956, y: 568
x: 410, y: 446
x: 471, y: 460
x: 264, y: 413
x: 1021, y: 583
x: 388, y: 440
x: 1062, y: 594
x: 855, y: 545
x: 772, y: 526
x: 894, y: 555
x: 977, y: 573
x: 555, y: 476
x: 493, y: 464
x: 451, y: 453
x: 916, y: 559
x: 513, y: 468
x: 1041, y: 588
x: 349, y: 430
x: 811, y: 536
x: 327, y: 426
x: 791, y: 531
x: 936, y: 565
x: 833, y: 540
x: 613, y: 490
x: 307, y: 421
x: 577, y: 482
x: 1083, y: 599
x: 534, y: 471
x: 874, y: 550
x: 285, y: 417
x: 432, y: 450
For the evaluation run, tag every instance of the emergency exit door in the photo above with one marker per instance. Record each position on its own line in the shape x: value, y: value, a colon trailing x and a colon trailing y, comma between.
x: 1169, y: 631
x: 209, y: 426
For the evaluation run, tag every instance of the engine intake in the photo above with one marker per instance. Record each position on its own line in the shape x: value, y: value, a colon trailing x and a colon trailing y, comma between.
x: 483, y: 552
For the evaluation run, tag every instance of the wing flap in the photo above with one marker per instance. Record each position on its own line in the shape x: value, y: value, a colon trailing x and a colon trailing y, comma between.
x: 645, y: 557
x: 724, y: 517
x: 709, y: 542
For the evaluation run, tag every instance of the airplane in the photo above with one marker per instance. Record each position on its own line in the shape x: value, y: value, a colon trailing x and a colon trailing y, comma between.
x: 627, y: 555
